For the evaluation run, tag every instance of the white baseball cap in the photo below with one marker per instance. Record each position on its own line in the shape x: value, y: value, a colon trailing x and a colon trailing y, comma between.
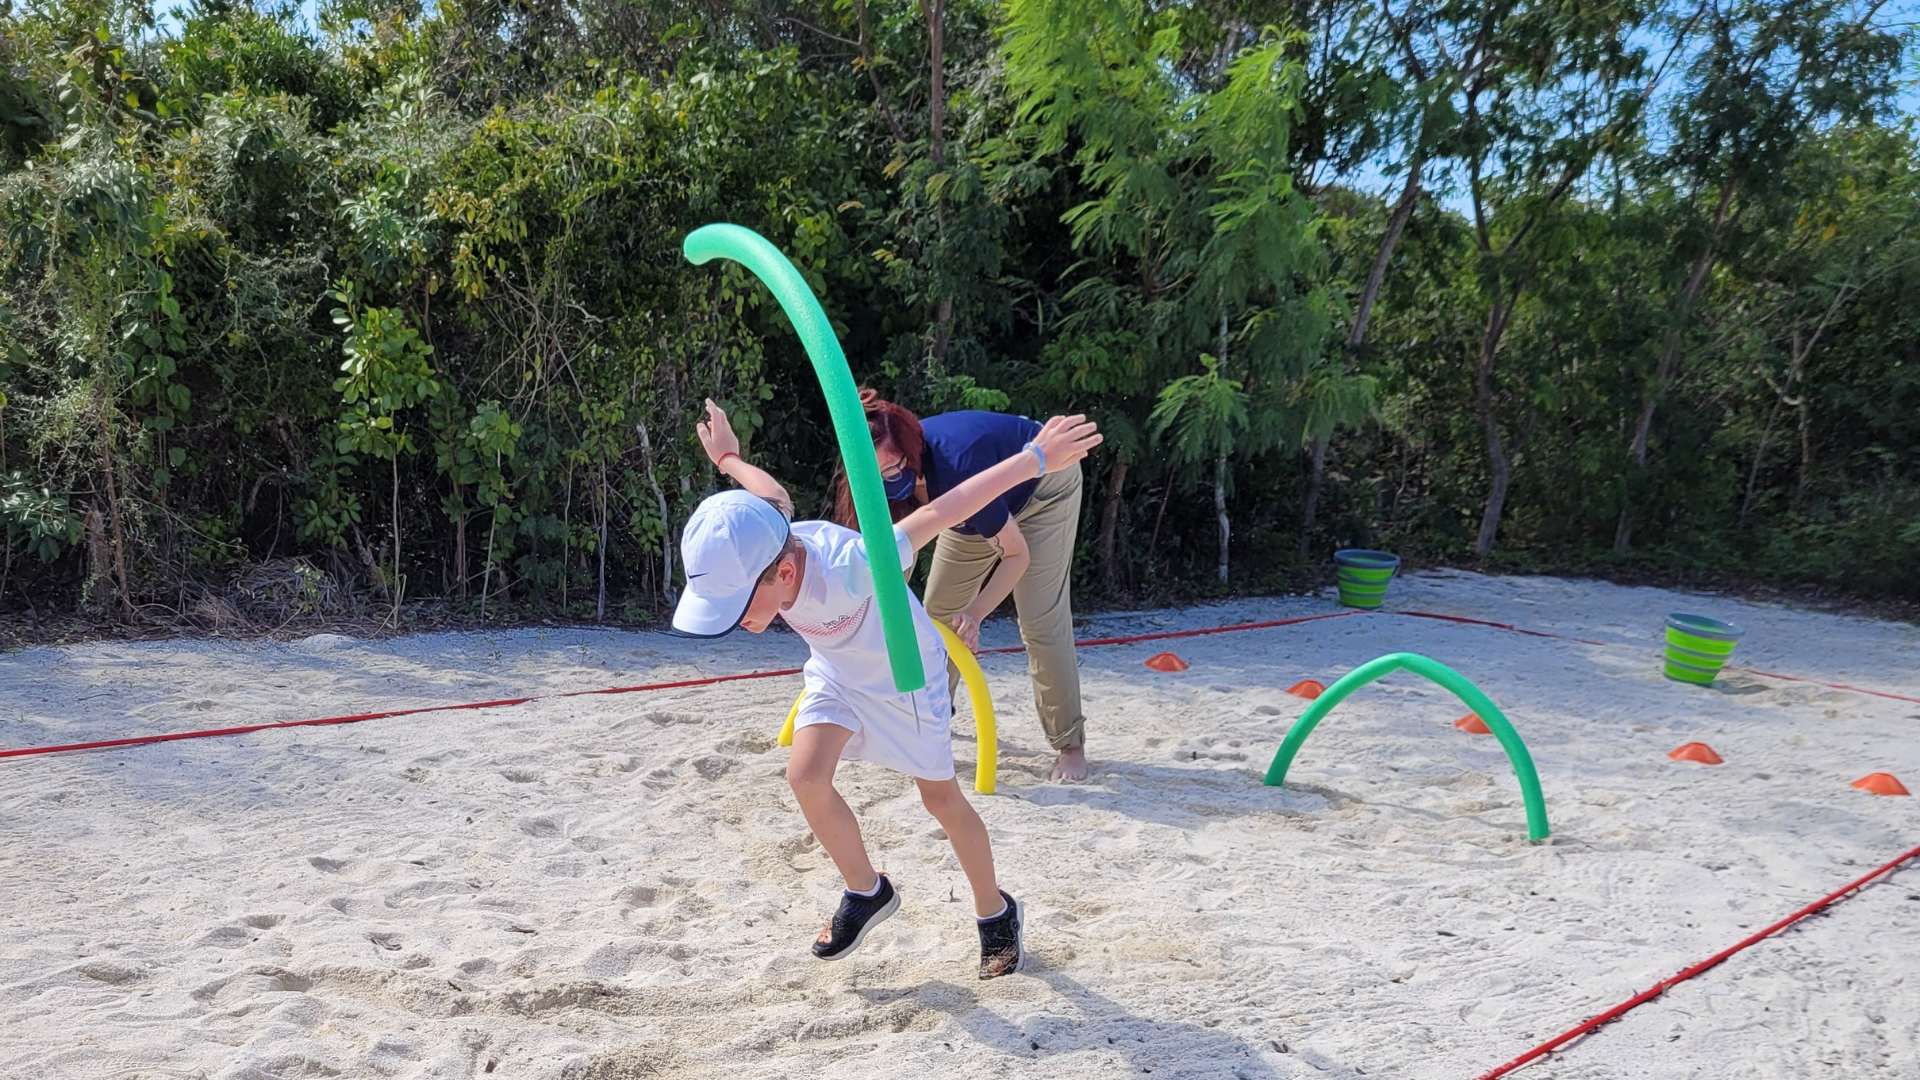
x: 731, y: 539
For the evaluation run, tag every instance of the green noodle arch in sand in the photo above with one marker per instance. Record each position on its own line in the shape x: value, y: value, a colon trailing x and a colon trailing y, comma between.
x: 753, y: 251
x: 1434, y: 671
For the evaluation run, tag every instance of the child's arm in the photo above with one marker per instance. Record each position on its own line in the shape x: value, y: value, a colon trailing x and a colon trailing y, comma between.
x: 1063, y: 440
x: 723, y: 447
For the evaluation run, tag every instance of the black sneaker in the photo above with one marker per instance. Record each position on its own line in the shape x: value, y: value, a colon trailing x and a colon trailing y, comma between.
x: 1001, y: 950
x: 857, y: 915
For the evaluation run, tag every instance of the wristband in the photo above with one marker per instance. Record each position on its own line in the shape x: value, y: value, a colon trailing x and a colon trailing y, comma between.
x: 725, y: 456
x: 1041, y: 454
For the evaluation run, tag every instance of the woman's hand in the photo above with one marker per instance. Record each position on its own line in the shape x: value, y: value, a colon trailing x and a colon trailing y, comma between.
x: 716, y: 434
x: 1066, y: 439
x: 967, y: 625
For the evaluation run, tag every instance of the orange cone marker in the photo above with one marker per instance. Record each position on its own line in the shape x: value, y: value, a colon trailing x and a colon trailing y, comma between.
x: 1307, y: 688
x: 1696, y: 751
x: 1473, y: 725
x: 1881, y: 784
x: 1166, y: 661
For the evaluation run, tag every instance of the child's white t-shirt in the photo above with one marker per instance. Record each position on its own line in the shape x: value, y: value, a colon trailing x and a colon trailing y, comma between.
x: 849, y: 678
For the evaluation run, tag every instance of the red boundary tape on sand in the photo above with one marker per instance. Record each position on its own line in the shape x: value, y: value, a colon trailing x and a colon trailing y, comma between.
x: 1167, y: 634
x: 142, y: 740
x: 1830, y: 685
x: 1610, y: 644
x: 1661, y: 987
x: 1497, y: 626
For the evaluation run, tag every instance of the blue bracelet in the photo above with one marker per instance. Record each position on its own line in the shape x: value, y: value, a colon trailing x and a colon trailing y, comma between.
x: 1041, y: 454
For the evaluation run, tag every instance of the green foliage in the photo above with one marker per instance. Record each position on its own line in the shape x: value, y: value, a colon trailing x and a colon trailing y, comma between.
x: 37, y: 520
x: 1660, y: 253
x: 387, y: 369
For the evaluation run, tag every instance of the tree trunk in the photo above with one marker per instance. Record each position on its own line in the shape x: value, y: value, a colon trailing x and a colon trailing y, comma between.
x: 666, y: 526
x: 1357, y: 334
x: 1110, y: 526
x: 486, y: 569
x: 1220, y: 511
x: 1153, y: 544
x: 399, y: 582
x: 1312, y: 508
x: 936, y: 15
x: 1220, y: 461
x: 167, y: 530
x: 113, y: 518
x: 1396, y: 224
x: 566, y: 544
x: 460, y: 546
x: 1759, y: 457
x: 873, y: 76
x: 99, y: 559
x: 1670, y: 353
x: 1499, y: 469
x: 1806, y: 453
x: 600, y: 604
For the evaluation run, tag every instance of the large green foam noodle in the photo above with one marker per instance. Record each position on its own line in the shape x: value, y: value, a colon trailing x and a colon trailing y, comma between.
x: 1446, y: 677
x: 751, y: 250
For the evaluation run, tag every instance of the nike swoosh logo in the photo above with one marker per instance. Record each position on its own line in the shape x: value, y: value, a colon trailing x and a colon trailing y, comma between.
x: 702, y: 573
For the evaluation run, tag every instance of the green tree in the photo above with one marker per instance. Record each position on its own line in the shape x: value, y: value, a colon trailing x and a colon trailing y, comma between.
x: 388, y: 369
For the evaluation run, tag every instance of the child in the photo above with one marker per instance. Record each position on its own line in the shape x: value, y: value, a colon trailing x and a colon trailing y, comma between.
x: 745, y: 565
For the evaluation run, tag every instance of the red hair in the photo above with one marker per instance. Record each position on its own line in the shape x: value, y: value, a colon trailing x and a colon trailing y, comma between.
x: 895, y: 428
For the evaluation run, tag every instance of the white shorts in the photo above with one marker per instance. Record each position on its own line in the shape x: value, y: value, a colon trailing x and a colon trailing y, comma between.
x: 908, y: 733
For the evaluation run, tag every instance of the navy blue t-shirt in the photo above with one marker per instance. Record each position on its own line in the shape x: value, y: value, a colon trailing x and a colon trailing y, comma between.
x: 961, y: 445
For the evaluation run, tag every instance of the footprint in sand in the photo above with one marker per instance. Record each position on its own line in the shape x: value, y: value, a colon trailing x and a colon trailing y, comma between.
x: 106, y: 971
x: 596, y: 765
x: 638, y: 896
x: 226, y: 937
x: 661, y: 778
x: 1208, y: 748
x: 542, y: 826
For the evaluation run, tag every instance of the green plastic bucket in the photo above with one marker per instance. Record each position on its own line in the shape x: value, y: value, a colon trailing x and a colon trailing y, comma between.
x: 1697, y: 647
x: 1363, y: 576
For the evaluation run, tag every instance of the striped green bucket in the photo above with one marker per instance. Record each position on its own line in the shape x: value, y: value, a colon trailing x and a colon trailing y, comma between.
x: 1363, y: 576
x: 1697, y: 647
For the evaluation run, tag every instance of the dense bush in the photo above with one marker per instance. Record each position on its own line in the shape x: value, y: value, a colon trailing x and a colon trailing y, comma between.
x: 393, y: 307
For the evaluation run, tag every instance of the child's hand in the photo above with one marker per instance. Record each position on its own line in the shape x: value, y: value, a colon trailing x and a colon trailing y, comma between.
x: 1066, y: 439
x: 717, y: 436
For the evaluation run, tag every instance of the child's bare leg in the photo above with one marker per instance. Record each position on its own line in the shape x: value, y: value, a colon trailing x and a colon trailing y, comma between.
x: 816, y: 753
x: 968, y: 834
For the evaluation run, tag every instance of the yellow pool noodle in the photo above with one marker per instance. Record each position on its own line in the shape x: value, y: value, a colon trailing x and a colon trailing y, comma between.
x: 984, y: 729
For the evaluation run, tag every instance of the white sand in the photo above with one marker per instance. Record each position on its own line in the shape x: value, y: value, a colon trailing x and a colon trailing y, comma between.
x: 621, y: 886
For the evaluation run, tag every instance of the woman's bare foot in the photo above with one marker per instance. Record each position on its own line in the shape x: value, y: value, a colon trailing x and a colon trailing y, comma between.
x: 1072, y: 766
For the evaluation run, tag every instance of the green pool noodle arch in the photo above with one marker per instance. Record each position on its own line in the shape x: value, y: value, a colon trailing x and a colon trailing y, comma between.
x: 753, y: 251
x: 1440, y: 673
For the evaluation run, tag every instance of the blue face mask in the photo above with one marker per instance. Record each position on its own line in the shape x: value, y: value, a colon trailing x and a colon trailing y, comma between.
x: 901, y: 485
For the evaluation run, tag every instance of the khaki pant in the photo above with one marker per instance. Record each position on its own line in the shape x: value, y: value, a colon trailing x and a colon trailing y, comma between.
x: 1042, y: 597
